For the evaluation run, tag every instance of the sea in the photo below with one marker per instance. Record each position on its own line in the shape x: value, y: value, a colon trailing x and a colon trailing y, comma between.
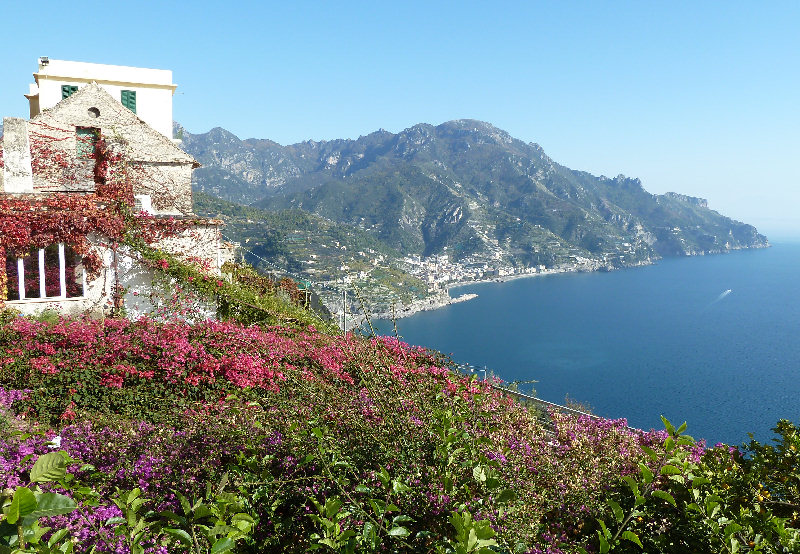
x: 711, y: 340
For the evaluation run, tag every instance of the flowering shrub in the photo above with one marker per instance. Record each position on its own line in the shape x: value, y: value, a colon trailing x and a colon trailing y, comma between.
x: 125, y: 367
x: 357, y: 444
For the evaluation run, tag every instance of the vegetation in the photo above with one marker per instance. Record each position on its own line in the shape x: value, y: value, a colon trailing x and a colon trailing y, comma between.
x: 467, y: 187
x: 334, y: 256
x: 165, y: 436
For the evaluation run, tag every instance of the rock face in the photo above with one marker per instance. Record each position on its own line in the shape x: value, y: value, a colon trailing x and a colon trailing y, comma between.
x: 467, y: 189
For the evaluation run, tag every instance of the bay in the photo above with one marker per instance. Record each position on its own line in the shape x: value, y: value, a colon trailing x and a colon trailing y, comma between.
x: 637, y: 343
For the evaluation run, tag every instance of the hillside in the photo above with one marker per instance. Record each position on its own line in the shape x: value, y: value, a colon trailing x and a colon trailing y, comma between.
x: 467, y: 189
x: 165, y: 436
x: 305, y: 246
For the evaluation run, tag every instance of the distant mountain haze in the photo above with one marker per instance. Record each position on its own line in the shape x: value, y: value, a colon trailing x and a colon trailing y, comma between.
x: 465, y: 188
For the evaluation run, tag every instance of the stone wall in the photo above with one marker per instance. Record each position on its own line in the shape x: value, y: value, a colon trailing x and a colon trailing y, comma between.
x: 16, y: 175
x: 153, y: 162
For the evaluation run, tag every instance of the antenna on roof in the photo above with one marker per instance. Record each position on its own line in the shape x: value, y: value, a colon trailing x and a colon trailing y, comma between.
x: 44, y: 60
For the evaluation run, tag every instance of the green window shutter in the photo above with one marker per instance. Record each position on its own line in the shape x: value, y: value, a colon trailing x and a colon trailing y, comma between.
x: 86, y: 139
x: 68, y: 90
x: 129, y: 99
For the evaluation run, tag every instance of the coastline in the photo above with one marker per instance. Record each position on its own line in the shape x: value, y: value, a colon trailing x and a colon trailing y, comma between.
x: 444, y: 299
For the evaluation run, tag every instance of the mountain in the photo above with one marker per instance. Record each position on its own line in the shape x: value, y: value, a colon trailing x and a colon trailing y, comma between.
x: 467, y: 189
x: 305, y: 246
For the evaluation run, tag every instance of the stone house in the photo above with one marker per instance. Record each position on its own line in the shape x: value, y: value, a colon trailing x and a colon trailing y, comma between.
x: 72, y: 106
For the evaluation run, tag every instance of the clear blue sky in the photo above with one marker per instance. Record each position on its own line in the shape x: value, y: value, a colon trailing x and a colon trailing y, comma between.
x: 699, y: 99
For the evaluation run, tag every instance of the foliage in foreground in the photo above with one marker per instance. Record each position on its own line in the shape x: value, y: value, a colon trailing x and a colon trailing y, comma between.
x: 218, y: 437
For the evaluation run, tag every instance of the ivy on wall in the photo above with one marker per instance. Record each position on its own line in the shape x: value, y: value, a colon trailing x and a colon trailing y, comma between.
x: 34, y: 221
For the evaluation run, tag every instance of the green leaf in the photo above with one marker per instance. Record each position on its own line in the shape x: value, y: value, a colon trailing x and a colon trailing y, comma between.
x: 670, y: 470
x: 650, y: 452
x: 187, y: 509
x: 370, y: 535
x: 241, y: 516
x: 730, y: 529
x: 180, y: 535
x: 378, y: 506
x: 681, y: 429
x: 56, y: 537
x: 484, y: 531
x: 133, y: 495
x: 664, y: 495
x: 53, y: 504
x: 506, y: 495
x: 49, y: 467
x: 332, y: 507
x: 222, y: 545
x: 697, y: 481
x: 398, y: 487
x: 647, y: 474
x: 604, y: 546
x: 633, y: 537
x: 606, y: 533
x: 618, y: 514
x: 633, y: 485
x: 202, y: 511
x: 399, y: 532
x: 22, y: 504
x: 668, y: 426
x: 137, y: 503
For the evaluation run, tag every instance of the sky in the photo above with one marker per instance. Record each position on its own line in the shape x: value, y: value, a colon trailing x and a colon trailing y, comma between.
x: 701, y: 98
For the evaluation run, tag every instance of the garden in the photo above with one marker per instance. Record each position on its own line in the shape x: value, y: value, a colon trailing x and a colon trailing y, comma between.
x: 166, y: 436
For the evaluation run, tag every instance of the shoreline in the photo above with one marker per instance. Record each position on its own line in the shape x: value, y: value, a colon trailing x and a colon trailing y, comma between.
x: 443, y: 298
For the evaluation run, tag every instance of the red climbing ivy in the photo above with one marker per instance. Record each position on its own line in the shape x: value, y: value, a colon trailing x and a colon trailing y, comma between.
x: 33, y: 221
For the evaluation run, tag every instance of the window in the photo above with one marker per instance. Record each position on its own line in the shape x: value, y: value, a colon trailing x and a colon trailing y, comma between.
x: 52, y: 272
x: 68, y: 90
x: 129, y: 99
x: 86, y: 139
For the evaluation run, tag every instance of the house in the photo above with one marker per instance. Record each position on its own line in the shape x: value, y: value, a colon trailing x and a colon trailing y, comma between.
x: 94, y: 127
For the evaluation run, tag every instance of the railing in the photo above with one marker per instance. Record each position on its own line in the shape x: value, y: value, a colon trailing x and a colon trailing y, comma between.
x: 544, y: 408
x: 543, y: 404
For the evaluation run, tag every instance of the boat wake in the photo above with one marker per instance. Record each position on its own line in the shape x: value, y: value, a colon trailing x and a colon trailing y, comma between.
x: 719, y: 298
x: 723, y: 295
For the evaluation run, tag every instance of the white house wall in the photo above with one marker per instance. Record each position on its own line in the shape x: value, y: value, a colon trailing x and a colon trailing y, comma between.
x: 146, y: 291
x: 154, y: 88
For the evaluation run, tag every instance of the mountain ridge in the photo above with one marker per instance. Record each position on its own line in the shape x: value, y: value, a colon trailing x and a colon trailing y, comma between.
x: 467, y: 188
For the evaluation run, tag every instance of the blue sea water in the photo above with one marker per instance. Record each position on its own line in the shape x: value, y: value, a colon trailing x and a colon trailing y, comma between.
x: 663, y: 339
